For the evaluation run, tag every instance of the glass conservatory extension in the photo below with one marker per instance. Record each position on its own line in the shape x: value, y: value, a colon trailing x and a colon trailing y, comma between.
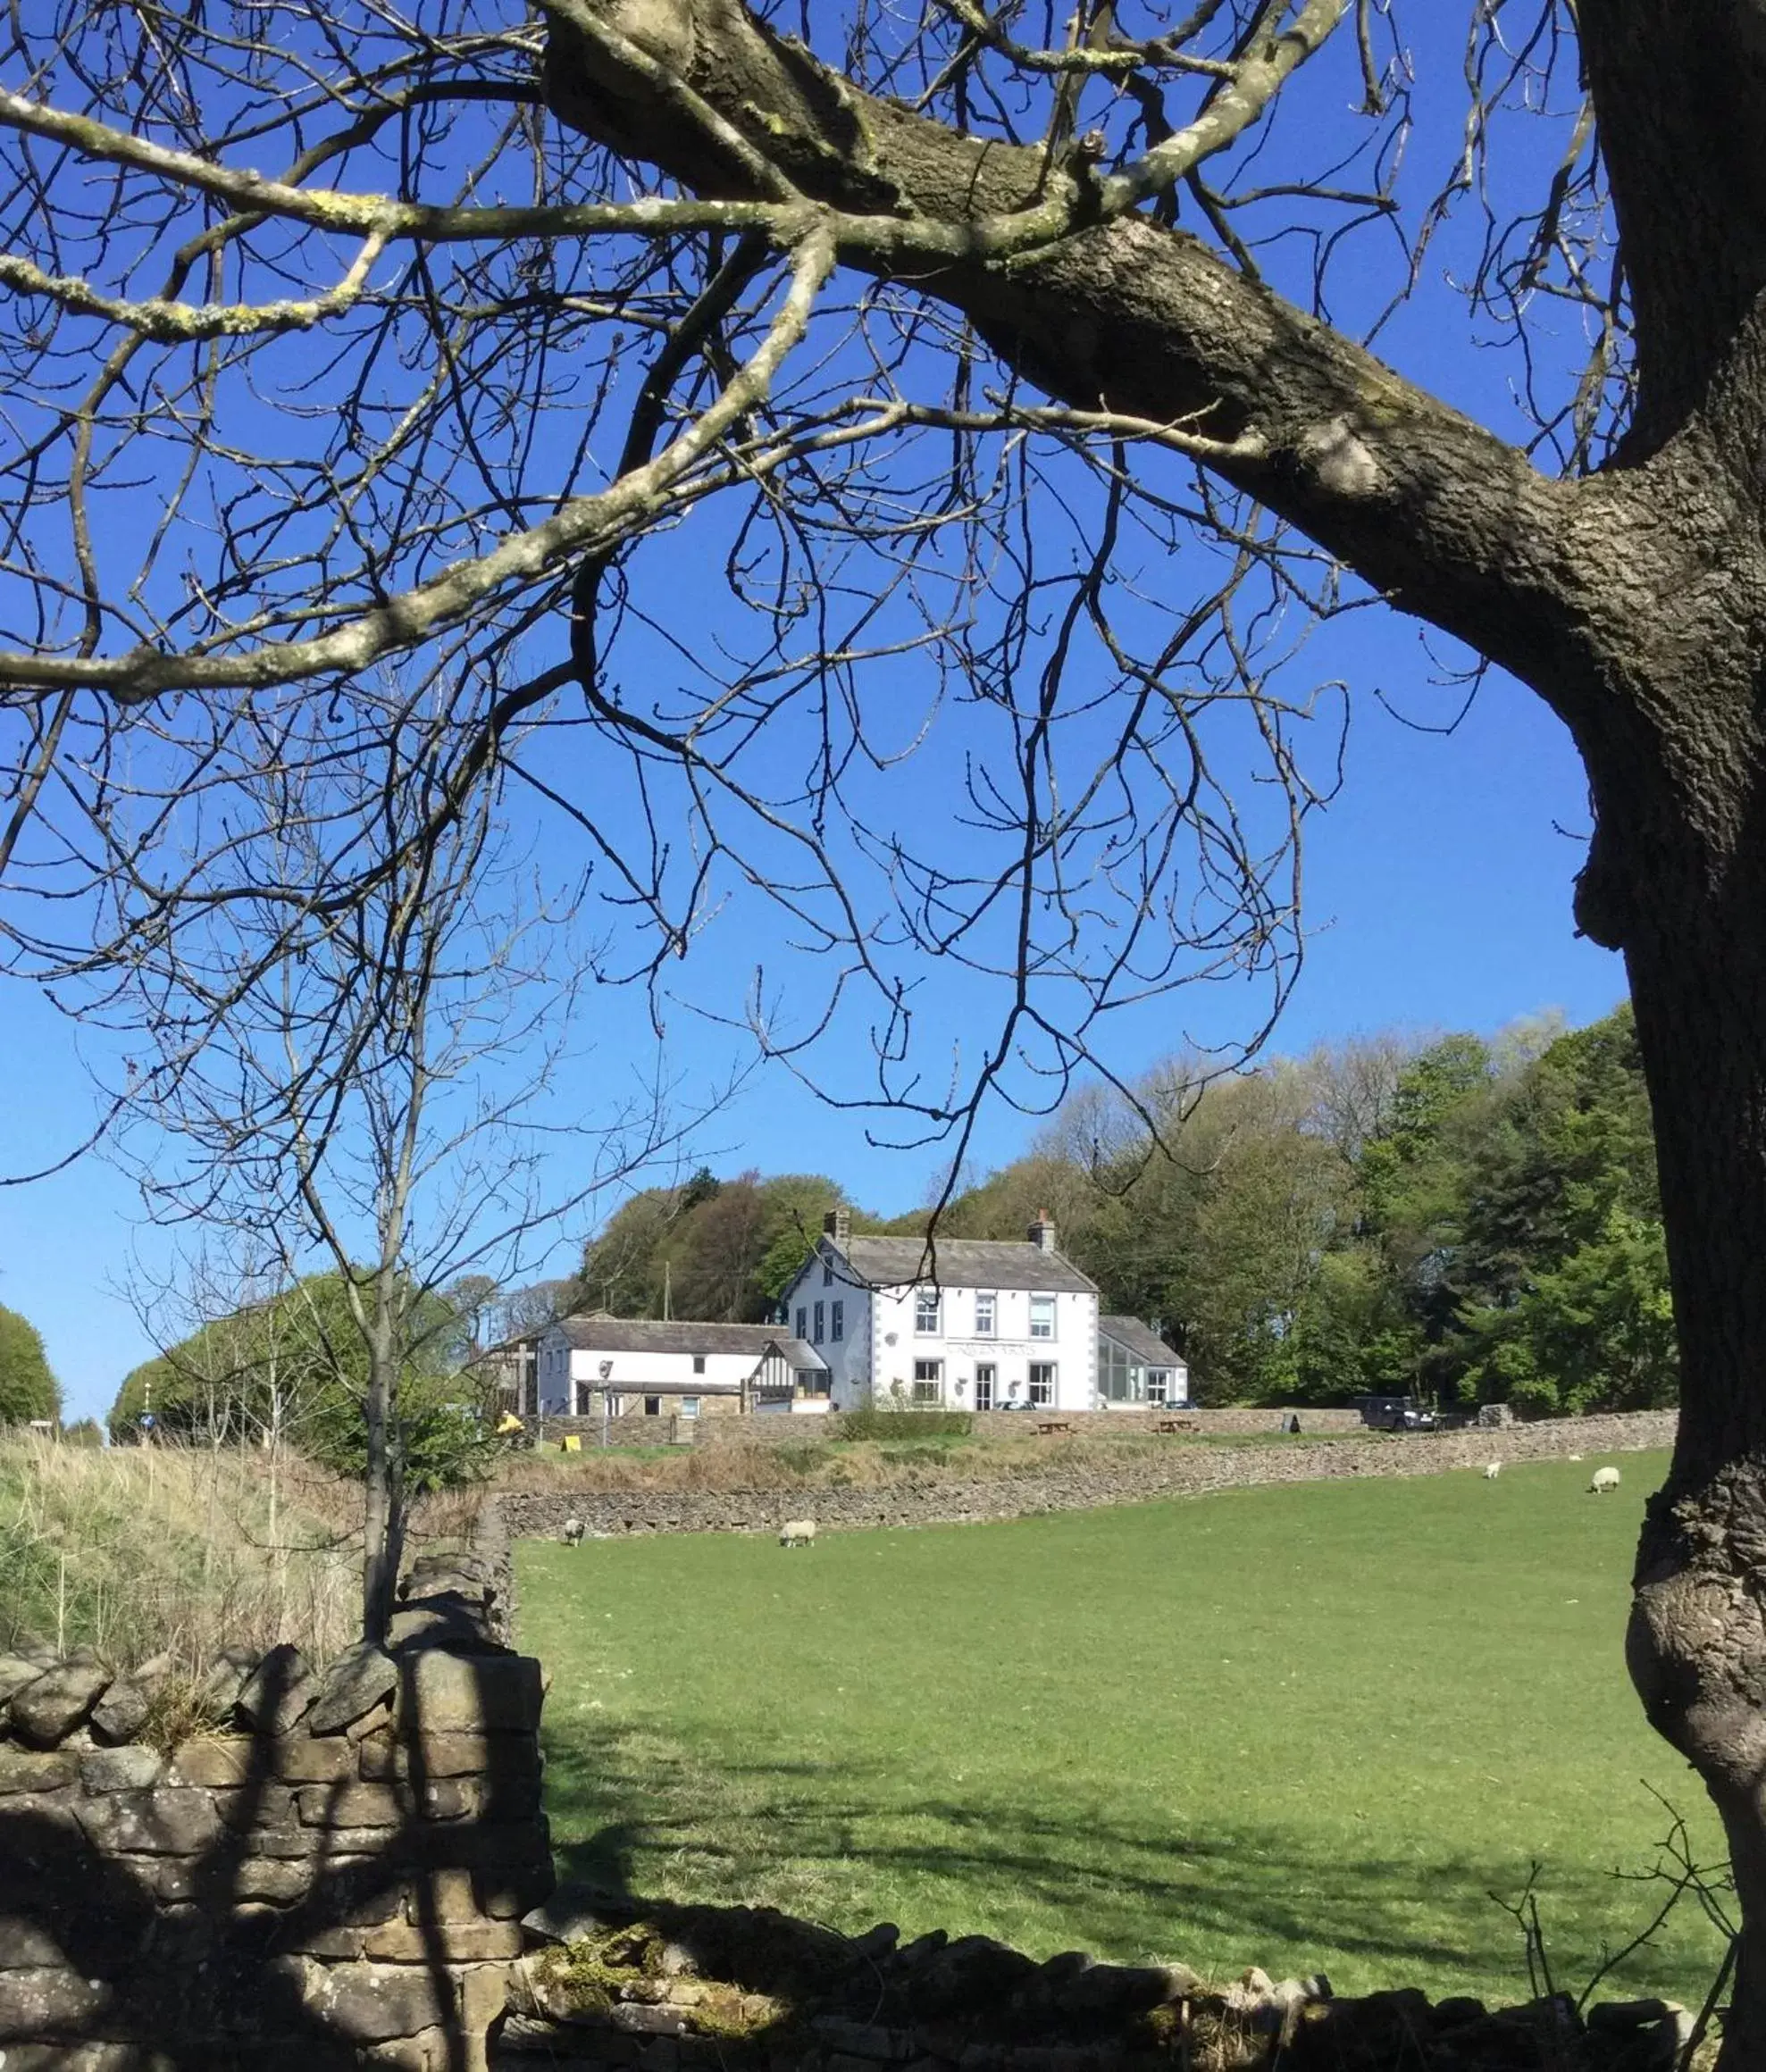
x: 1133, y: 1383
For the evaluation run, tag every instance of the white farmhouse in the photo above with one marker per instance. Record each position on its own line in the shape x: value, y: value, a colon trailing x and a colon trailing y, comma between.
x: 625, y: 1366
x: 974, y: 1325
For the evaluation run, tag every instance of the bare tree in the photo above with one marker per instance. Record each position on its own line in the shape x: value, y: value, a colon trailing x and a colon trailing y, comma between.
x: 375, y: 1103
x: 1018, y: 385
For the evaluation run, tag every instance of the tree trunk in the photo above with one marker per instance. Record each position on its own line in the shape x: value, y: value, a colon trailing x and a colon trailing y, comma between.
x: 384, y: 1519
x: 1697, y: 1647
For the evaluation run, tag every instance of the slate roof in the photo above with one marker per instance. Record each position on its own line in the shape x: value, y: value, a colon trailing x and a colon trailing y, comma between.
x: 962, y: 1263
x: 1138, y: 1342
x: 682, y: 1335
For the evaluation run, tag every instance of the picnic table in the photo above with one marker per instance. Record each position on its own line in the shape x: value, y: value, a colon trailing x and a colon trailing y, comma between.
x: 1047, y: 1424
x: 1177, y: 1425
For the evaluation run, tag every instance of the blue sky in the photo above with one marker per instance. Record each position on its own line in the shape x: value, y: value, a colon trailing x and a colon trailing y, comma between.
x: 1437, y: 890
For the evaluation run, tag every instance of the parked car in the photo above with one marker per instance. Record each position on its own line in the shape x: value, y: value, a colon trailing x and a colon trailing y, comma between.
x: 1396, y: 1413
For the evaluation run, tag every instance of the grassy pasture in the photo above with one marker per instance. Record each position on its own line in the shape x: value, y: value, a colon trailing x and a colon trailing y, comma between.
x: 1312, y: 1726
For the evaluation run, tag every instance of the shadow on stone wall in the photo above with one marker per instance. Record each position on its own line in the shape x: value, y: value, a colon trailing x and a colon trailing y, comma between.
x: 334, y: 1876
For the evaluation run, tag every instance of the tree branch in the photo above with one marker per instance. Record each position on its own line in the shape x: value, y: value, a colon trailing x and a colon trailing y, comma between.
x: 1128, y: 318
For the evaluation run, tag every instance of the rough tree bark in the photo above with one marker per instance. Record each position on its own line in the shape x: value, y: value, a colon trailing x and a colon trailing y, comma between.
x: 1633, y: 601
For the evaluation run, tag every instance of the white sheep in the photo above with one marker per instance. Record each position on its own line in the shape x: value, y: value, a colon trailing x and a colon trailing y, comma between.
x: 1492, y: 1470
x: 798, y: 1533
x: 574, y: 1531
x: 1604, y: 1479
x: 1572, y: 1456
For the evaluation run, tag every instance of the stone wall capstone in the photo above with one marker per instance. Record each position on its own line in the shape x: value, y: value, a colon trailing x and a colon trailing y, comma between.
x: 332, y: 1872
x: 1180, y: 1468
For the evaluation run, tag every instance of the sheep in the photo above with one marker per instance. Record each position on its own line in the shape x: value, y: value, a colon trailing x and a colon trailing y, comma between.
x: 1572, y: 1456
x: 798, y: 1533
x: 574, y: 1531
x: 1492, y: 1470
x: 1604, y: 1479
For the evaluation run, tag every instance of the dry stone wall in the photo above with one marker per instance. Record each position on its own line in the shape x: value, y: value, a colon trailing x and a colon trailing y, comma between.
x: 782, y: 1430
x: 1180, y: 1468
x: 612, y: 1985
x: 332, y: 1872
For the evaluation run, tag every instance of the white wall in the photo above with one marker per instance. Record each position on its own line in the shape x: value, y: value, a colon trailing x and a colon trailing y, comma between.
x: 563, y: 1365
x: 879, y: 1344
x: 1010, y: 1351
x: 849, y: 1356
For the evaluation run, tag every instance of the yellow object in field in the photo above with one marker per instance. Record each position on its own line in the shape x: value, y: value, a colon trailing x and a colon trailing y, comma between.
x: 511, y: 1423
x: 571, y: 1443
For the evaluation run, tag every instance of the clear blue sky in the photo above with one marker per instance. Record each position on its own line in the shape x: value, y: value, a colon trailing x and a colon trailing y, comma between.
x: 1437, y: 895
x: 1438, y: 889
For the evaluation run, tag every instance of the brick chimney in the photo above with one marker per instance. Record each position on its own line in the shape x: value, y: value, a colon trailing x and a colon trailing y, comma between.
x: 1042, y: 1233
x: 837, y: 1225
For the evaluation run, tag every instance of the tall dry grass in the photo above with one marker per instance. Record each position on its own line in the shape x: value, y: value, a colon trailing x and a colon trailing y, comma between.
x: 140, y: 1551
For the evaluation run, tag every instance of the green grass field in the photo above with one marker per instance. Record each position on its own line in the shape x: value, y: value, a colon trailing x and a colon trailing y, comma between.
x: 1308, y: 1728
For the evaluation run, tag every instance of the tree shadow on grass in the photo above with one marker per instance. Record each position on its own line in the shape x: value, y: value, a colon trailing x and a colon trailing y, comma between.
x: 843, y: 1843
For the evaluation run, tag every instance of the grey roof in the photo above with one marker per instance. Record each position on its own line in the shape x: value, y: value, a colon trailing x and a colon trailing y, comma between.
x: 963, y: 1262
x: 682, y: 1335
x: 1138, y: 1342
x: 799, y: 1353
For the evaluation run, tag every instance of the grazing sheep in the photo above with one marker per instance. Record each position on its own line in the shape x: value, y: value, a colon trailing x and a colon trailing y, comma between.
x: 574, y: 1531
x: 1604, y: 1479
x: 799, y: 1533
x: 1572, y: 1456
x: 1492, y: 1470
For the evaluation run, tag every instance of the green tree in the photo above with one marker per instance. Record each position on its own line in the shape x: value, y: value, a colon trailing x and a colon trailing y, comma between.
x: 28, y: 1389
x: 1560, y: 1276
x: 294, y: 1365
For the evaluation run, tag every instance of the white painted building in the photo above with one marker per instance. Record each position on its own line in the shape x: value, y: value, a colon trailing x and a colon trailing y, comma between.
x: 642, y: 1367
x: 969, y: 1325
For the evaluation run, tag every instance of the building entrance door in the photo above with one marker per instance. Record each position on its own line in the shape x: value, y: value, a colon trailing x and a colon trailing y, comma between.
x: 983, y: 1388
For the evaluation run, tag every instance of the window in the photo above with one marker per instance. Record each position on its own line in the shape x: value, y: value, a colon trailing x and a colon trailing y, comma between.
x: 827, y: 1273
x: 983, y: 1316
x: 689, y: 1406
x: 1041, y: 1381
x: 698, y: 1364
x: 926, y: 1312
x: 1121, y: 1379
x: 653, y: 1406
x: 983, y: 1388
x: 928, y: 1381
x: 837, y: 1320
x: 1041, y: 1316
x: 802, y: 1323
x: 582, y: 1399
x: 1158, y: 1381
x: 820, y: 1307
